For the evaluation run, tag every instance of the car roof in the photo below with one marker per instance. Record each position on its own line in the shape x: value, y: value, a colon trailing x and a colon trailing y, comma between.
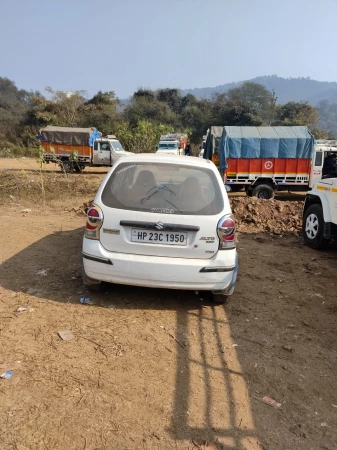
x: 171, y: 159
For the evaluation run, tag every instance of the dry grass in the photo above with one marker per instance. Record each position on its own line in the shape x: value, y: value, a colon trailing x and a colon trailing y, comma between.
x: 38, y: 187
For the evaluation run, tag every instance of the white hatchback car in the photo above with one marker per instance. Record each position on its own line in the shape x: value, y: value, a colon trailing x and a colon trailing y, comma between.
x: 162, y: 222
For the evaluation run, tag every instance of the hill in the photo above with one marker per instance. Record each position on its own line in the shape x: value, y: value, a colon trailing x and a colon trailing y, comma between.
x: 286, y: 89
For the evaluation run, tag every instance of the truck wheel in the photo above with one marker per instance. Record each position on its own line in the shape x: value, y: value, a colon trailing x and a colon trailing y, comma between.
x: 79, y: 168
x: 313, y: 227
x: 67, y: 166
x: 248, y: 190
x: 264, y: 191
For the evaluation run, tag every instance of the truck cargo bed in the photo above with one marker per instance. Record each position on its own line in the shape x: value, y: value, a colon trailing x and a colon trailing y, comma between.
x: 60, y: 150
x: 279, y: 169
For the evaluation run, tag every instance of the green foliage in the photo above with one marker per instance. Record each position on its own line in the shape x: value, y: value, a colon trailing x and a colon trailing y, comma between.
x: 296, y: 114
x: 150, y: 113
x: 6, y: 153
x: 253, y: 97
x: 73, y: 157
x: 10, y: 150
x: 323, y: 134
x: 171, y: 97
x: 328, y: 116
x: 65, y: 106
x: 142, y: 138
x: 248, y: 105
x: 101, y: 112
x: 147, y: 107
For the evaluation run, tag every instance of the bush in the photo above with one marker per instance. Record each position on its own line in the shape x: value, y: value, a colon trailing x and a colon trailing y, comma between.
x: 10, y: 150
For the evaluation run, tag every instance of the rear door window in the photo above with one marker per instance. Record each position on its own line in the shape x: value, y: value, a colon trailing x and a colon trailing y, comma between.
x: 164, y: 188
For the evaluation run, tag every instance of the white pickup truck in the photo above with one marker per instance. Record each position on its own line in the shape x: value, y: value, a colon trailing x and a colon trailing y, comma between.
x: 320, y: 214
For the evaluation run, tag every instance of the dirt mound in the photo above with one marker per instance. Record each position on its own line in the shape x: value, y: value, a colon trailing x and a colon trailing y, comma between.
x: 255, y: 215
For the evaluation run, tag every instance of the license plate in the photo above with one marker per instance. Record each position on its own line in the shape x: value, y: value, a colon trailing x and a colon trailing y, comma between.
x: 158, y: 237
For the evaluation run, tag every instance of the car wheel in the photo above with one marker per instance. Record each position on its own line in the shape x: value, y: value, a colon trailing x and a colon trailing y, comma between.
x: 90, y: 284
x: 95, y: 287
x: 219, y: 298
x: 264, y: 191
x: 313, y: 227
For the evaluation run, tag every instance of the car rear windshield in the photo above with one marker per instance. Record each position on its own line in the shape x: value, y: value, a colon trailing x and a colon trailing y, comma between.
x: 163, y: 188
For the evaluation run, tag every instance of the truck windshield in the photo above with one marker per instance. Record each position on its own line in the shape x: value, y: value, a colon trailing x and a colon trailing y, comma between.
x: 166, y: 146
x: 117, y: 146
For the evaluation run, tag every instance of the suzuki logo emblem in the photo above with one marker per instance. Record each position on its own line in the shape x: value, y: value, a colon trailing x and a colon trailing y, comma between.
x: 159, y: 226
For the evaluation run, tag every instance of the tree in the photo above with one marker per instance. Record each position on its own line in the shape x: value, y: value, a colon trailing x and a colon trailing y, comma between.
x: 240, y: 113
x: 328, y: 116
x: 148, y: 107
x: 41, y: 112
x: 189, y: 100
x: 100, y: 112
x: 14, y: 110
x: 196, y: 117
x: 142, y: 138
x: 65, y: 106
x: 171, y: 97
x: 144, y: 93
x: 255, y: 97
x: 297, y: 114
x: 323, y: 134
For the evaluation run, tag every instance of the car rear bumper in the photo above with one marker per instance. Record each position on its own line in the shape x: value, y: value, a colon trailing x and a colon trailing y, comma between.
x: 214, y: 274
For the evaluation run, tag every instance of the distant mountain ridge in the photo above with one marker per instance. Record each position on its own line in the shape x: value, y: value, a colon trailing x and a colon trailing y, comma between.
x: 286, y: 89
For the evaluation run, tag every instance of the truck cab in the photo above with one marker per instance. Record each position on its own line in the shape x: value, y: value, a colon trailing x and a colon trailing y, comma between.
x: 169, y: 148
x: 321, y: 150
x: 319, y: 223
x: 106, y: 151
x: 172, y: 144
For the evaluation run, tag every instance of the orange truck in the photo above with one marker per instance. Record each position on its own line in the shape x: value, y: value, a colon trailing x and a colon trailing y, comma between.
x: 76, y: 148
x: 264, y: 160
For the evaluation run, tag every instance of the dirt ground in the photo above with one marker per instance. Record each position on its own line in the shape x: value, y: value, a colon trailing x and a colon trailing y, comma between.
x: 160, y: 369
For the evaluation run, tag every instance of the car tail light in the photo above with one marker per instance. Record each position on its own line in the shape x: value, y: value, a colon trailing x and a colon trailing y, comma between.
x: 94, y: 222
x: 226, y: 232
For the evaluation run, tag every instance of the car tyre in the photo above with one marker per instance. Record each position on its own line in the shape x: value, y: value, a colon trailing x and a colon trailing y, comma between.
x: 313, y: 227
x: 219, y: 298
x: 263, y: 191
x: 90, y: 284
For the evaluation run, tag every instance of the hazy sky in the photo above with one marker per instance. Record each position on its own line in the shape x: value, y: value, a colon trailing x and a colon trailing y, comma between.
x: 122, y: 45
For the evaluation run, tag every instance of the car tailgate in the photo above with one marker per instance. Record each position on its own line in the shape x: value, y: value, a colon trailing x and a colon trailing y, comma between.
x: 176, y: 236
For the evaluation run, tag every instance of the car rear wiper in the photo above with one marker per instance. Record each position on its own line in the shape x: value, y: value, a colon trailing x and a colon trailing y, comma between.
x: 174, y: 206
x: 160, y: 188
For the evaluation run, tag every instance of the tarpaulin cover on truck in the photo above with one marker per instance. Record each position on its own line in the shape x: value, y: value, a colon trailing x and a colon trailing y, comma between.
x: 264, y: 142
x: 212, y: 141
x: 66, y: 136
